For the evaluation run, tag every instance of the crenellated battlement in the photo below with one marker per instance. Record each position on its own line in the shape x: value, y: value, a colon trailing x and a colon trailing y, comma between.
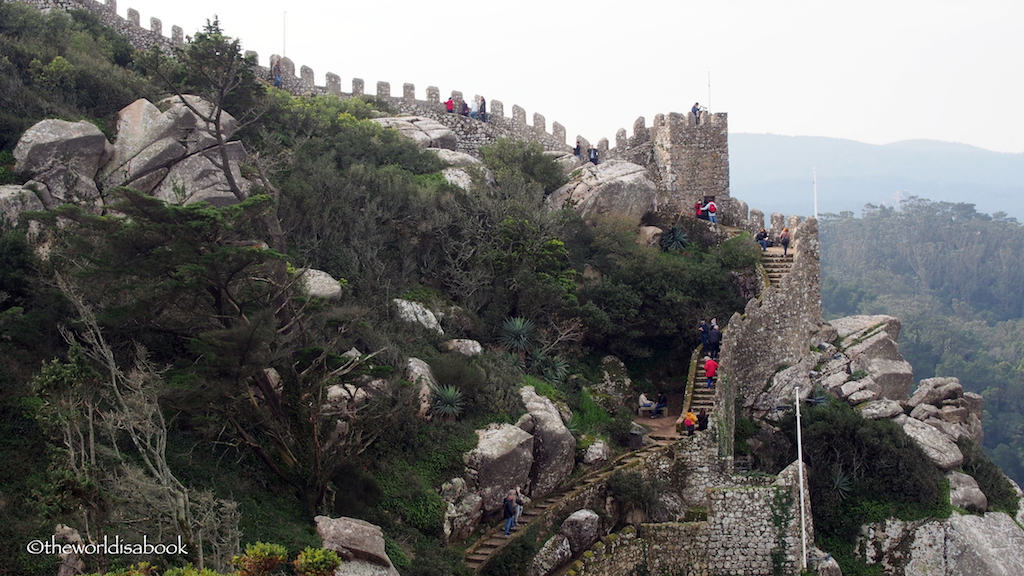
x: 131, y: 28
x: 300, y: 80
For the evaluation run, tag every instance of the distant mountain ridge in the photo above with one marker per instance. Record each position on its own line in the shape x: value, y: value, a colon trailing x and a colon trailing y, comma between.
x: 774, y: 174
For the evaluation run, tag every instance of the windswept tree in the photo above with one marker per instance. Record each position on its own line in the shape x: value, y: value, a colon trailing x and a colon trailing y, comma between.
x: 190, y: 284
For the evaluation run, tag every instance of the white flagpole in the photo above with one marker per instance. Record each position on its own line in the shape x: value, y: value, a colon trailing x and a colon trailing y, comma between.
x: 814, y: 180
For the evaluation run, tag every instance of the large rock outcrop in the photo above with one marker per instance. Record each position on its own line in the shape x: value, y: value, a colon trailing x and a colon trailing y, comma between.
x: 554, y: 447
x: 359, y: 543
x: 989, y: 545
x: 501, y: 461
x: 62, y: 158
x: 613, y: 187
x: 426, y: 132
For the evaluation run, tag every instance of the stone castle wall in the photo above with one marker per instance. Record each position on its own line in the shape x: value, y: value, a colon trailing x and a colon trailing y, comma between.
x: 775, y: 331
x: 749, y: 531
x: 140, y: 38
x: 692, y: 159
x: 300, y: 80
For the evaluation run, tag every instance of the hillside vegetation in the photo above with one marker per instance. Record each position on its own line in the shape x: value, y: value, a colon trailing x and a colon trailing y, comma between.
x: 134, y: 391
x: 954, y: 277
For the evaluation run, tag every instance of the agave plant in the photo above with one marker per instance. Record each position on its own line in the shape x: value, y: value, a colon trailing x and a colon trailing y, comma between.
x: 842, y: 483
x: 674, y: 240
x: 516, y: 333
x: 448, y: 401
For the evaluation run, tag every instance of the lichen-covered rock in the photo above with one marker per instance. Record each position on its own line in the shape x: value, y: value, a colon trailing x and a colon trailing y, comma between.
x: 894, y: 377
x: 426, y: 132
x: 934, y: 390
x: 965, y: 493
x: 199, y: 177
x: 78, y: 146
x: 500, y: 462
x: 416, y: 313
x: 552, y: 554
x: 354, y: 540
x: 554, y: 447
x: 649, y: 236
x: 596, y: 455
x: 463, y: 346
x: 419, y: 373
x: 319, y: 284
x: 17, y: 199
x: 989, y: 545
x: 612, y: 187
x: 614, y: 391
x: 939, y: 447
x: 582, y: 528
x: 880, y: 409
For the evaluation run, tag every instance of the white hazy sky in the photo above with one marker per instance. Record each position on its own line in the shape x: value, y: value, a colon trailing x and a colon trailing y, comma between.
x: 873, y: 71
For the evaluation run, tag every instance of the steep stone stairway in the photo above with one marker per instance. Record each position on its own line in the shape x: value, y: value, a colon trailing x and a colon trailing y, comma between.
x: 493, y: 540
x: 775, y: 264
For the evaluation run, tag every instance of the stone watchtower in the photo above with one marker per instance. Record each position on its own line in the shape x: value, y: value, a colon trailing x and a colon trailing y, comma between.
x: 692, y: 159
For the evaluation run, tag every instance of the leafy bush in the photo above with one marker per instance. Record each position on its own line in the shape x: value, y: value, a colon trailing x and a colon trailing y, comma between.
x: 316, y: 562
x: 864, y: 471
x: 522, y: 161
x: 260, y: 558
x: 993, y: 483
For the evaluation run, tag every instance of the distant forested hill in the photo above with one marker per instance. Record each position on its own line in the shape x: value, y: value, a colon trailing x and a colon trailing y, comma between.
x: 774, y: 173
x: 954, y: 277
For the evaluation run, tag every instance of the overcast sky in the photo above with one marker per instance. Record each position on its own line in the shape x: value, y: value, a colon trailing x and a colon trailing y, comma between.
x: 872, y: 71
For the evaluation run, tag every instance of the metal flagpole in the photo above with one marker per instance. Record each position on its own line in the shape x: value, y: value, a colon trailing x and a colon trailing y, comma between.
x: 709, y: 90
x: 800, y: 469
x: 814, y: 180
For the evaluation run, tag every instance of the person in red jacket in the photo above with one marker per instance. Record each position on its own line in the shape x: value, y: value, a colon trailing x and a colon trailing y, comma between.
x: 710, y: 370
x: 449, y: 105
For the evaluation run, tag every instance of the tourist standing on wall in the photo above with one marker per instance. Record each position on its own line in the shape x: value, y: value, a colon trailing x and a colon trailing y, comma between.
x: 592, y: 154
x: 576, y: 150
x: 277, y: 73
x: 696, y: 113
x: 465, y: 109
x: 714, y: 341
x: 784, y: 240
x: 474, y: 109
x: 449, y: 105
x: 711, y: 208
x: 483, y: 109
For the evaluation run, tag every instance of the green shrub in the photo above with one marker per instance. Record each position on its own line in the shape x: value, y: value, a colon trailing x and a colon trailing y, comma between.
x: 316, y: 562
x: 993, y: 483
x: 260, y: 559
x: 864, y: 471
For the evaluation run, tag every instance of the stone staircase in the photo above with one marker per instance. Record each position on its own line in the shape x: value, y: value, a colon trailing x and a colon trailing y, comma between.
x: 493, y: 540
x: 776, y: 265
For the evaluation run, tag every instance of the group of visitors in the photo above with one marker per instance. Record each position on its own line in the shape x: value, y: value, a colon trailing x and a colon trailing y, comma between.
x: 710, y: 337
x: 476, y: 110
x: 693, y: 421
x: 591, y: 153
x: 763, y: 239
x: 658, y: 408
x: 707, y: 211
x: 512, y: 509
